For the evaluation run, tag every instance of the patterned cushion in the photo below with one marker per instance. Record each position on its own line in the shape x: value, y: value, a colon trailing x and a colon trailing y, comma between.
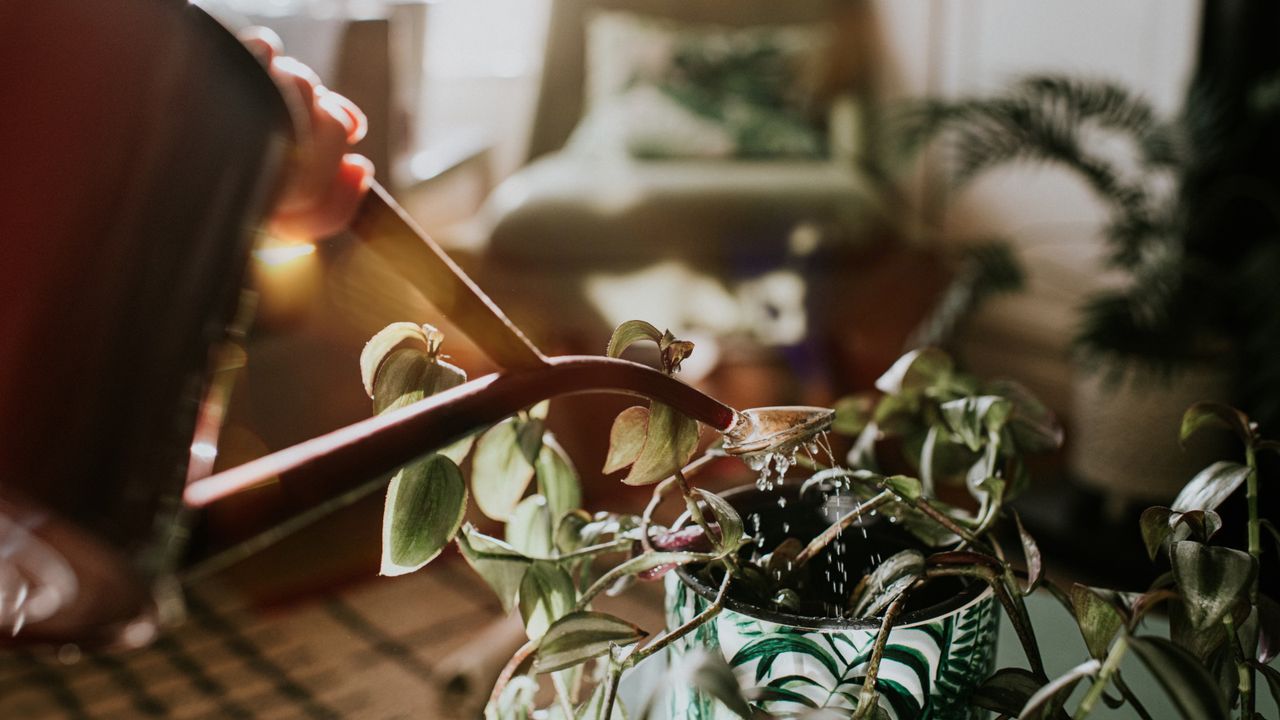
x: 658, y: 89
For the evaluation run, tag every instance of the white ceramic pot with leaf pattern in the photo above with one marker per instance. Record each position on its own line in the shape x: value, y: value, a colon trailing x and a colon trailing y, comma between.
x: 934, y: 658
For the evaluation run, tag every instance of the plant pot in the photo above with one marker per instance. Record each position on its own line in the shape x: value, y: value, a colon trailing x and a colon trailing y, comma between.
x: 1124, y: 440
x: 935, y: 655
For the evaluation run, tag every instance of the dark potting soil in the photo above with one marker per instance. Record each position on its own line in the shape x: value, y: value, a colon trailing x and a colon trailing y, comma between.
x: 823, y: 586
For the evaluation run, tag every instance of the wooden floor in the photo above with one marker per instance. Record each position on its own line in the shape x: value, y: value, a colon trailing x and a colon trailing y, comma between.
x: 369, y: 651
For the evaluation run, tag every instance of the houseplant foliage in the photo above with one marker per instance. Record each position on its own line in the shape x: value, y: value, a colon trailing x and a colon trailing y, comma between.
x: 1192, y: 290
x: 554, y: 558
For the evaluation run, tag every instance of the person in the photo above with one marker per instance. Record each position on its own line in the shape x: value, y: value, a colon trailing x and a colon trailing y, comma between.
x: 325, y: 183
x: 142, y: 150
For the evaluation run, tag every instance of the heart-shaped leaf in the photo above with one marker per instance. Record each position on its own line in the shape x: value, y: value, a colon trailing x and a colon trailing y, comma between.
x: 1206, y: 414
x: 396, y: 336
x: 1212, y: 579
x: 1183, y: 678
x: 546, y: 595
x: 580, y: 636
x: 884, y: 584
x: 407, y: 376
x: 502, y: 465
x: 1211, y: 486
x: 1031, y: 553
x: 1048, y: 700
x: 496, y: 562
x: 1155, y: 529
x: 557, y: 478
x: 1099, y: 619
x: 425, y: 504
x: 529, y: 529
x: 630, y: 332
x: 916, y: 370
x: 670, y: 441
x: 730, y: 523
x: 626, y: 438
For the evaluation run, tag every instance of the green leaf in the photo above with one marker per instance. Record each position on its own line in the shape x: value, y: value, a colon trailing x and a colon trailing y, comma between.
x: 883, y: 585
x: 1049, y: 699
x: 502, y: 465
x: 670, y: 441
x: 529, y: 529
x: 1212, y: 579
x: 727, y: 518
x: 1099, y: 620
x: 546, y: 595
x: 1031, y: 553
x: 1033, y: 426
x: 1200, y: 524
x: 1206, y: 414
x: 1211, y: 486
x: 629, y: 332
x: 916, y: 370
x: 1006, y: 692
x: 852, y: 414
x: 407, y: 376
x: 581, y: 636
x: 393, y: 337
x: 425, y: 504
x: 1155, y: 528
x: 557, y: 478
x: 972, y: 419
x: 1183, y: 678
x: 569, y: 530
x: 626, y: 438
x: 496, y: 562
x: 708, y: 672
x: 904, y: 486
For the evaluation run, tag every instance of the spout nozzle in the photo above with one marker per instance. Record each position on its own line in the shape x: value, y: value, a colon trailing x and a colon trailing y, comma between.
x: 775, y: 428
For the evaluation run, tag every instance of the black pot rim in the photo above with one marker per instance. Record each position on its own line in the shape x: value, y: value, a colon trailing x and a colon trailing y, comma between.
x: 972, y: 592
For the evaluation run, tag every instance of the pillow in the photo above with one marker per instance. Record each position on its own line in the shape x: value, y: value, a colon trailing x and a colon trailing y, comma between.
x: 659, y: 89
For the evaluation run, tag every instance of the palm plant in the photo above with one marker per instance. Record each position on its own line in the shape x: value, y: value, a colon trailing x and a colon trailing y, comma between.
x: 1191, y: 291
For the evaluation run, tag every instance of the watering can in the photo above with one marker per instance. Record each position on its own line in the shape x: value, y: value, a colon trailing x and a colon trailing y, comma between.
x: 148, y: 159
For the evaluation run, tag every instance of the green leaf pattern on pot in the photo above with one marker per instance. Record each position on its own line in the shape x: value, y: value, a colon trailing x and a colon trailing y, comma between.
x: 927, y: 671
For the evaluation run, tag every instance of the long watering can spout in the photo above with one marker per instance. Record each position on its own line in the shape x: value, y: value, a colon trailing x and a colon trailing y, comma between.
x: 330, y: 465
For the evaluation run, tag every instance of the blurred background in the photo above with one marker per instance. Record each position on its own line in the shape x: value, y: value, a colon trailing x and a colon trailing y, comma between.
x: 743, y: 173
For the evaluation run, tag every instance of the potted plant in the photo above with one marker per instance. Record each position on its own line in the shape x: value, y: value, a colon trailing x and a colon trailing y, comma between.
x: 892, y: 592
x: 1194, y: 316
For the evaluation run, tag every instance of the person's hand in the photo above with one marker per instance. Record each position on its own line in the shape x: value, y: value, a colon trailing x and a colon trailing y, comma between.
x: 325, y: 184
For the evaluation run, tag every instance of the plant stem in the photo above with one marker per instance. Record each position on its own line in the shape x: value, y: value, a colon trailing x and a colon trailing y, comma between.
x: 1013, y: 605
x: 618, y: 545
x: 509, y: 670
x: 611, y: 692
x: 1244, y: 672
x: 618, y: 571
x: 695, y: 512
x: 867, y: 696
x: 562, y: 694
x: 1255, y: 549
x: 646, y: 518
x: 692, y: 624
x: 833, y: 531
x: 1109, y: 666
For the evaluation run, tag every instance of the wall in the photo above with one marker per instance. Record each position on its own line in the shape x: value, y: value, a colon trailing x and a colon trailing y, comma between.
x: 963, y: 47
